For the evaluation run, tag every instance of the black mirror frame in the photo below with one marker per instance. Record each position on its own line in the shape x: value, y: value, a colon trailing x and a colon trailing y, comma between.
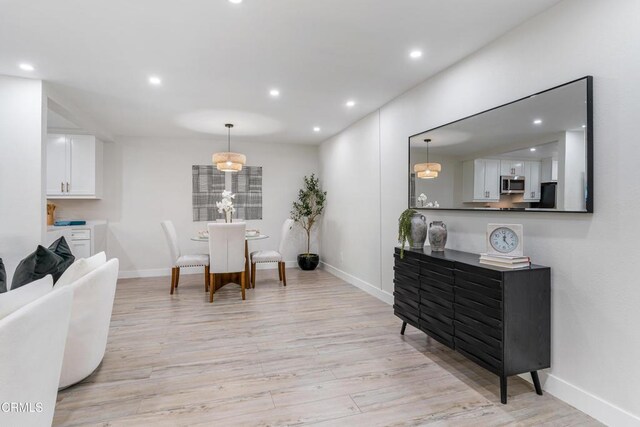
x: 589, y: 198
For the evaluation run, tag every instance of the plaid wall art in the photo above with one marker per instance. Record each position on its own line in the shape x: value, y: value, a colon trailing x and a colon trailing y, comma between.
x: 247, y: 186
x: 209, y: 183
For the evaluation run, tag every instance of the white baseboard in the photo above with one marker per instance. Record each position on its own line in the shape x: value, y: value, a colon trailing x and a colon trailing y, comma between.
x: 582, y: 400
x: 166, y: 272
x: 361, y: 284
x: 586, y: 402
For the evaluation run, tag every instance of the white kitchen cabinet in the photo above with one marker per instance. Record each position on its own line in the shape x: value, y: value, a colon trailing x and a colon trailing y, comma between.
x: 511, y: 167
x: 548, y: 170
x: 481, y: 180
x: 57, y: 167
x: 84, y: 240
x: 532, y: 172
x: 74, y: 167
x: 81, y: 248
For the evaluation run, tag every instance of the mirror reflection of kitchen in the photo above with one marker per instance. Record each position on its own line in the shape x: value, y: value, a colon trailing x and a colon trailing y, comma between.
x: 529, y: 155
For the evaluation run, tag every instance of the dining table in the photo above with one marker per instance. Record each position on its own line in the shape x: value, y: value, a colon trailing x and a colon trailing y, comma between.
x: 224, y: 279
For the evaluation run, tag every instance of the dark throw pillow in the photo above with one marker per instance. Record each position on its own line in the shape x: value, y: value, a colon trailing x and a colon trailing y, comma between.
x: 54, y: 260
x: 3, y: 278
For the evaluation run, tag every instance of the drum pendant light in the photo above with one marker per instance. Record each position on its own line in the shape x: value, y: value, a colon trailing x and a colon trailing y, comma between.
x: 228, y: 161
x: 427, y: 170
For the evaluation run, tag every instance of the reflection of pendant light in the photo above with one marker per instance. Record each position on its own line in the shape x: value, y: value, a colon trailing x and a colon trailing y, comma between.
x: 427, y: 170
x: 229, y: 162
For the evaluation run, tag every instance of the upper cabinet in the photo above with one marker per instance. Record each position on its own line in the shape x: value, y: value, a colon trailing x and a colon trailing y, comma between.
x: 511, y: 167
x: 532, y: 181
x: 481, y: 180
x: 74, y: 167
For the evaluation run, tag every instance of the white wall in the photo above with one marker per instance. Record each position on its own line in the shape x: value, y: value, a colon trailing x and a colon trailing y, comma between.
x: 595, y: 291
x: 22, y: 207
x: 351, y: 174
x: 147, y: 181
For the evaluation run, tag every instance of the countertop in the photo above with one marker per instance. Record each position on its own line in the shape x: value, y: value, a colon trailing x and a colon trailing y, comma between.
x: 89, y: 224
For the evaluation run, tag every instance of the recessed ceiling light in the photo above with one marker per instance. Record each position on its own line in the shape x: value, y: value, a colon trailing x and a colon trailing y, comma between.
x: 316, y: 129
x: 155, y: 80
x: 350, y: 103
x: 415, y: 54
x: 537, y: 122
x: 584, y: 126
x: 274, y: 92
x: 532, y: 149
x: 26, y: 67
x: 235, y: 1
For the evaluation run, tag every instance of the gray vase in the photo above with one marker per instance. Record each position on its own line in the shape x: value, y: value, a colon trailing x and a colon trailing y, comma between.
x: 437, y: 236
x: 418, y: 230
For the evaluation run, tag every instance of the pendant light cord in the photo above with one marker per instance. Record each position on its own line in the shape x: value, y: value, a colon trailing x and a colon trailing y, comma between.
x: 427, y: 141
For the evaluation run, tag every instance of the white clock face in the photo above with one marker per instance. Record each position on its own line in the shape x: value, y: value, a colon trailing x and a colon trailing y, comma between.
x: 504, y: 240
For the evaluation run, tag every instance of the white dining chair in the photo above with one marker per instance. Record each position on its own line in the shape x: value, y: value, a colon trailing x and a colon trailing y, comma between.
x: 178, y: 260
x: 258, y: 257
x: 226, y: 249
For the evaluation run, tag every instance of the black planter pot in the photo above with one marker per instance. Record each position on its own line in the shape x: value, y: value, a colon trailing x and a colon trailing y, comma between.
x: 308, y: 262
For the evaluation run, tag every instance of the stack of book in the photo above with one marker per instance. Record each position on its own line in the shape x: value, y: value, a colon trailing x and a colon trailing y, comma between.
x: 505, y: 261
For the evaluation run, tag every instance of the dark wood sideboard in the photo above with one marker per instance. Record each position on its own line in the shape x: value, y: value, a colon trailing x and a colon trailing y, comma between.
x: 496, y: 317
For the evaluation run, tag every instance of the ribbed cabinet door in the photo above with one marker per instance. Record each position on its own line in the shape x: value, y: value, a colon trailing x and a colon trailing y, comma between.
x: 436, y: 300
x: 479, y: 316
x: 406, y: 293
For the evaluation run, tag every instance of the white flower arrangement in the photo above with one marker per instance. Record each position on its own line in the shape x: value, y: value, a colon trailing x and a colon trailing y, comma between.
x: 226, y: 205
x: 422, y: 198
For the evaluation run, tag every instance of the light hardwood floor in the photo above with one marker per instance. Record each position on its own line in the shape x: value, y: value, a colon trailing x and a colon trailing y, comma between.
x: 316, y: 352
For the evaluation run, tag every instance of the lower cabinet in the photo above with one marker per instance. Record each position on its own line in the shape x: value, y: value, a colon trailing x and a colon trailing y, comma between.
x: 84, y: 240
x: 498, y: 318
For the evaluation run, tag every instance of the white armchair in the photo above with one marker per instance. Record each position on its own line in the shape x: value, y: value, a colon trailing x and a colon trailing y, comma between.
x: 32, y: 341
x: 93, y: 296
x: 226, y: 250
x: 178, y: 260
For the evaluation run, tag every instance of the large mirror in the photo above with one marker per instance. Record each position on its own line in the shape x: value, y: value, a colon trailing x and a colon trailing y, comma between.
x: 533, y: 154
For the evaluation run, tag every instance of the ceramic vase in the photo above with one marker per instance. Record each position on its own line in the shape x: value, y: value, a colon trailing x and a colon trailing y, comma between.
x: 227, y: 217
x: 418, y: 230
x: 437, y: 236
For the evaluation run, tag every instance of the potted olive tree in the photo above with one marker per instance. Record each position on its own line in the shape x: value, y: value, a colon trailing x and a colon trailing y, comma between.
x: 305, y: 211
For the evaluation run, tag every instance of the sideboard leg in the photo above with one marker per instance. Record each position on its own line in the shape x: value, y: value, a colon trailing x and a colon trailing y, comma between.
x: 503, y: 389
x: 536, y: 382
x: 404, y: 326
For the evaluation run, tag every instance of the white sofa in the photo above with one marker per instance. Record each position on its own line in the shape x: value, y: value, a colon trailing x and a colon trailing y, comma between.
x: 32, y: 342
x: 93, y: 296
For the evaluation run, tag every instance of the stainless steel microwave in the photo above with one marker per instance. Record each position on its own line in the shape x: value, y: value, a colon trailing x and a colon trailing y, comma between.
x: 511, y: 184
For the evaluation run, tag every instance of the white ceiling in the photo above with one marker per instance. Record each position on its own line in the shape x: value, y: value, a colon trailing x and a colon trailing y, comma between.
x: 218, y: 60
x: 543, y: 151
x: 512, y: 127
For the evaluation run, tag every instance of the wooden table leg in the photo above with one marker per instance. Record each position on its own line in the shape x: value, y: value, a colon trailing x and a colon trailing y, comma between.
x: 247, y: 273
